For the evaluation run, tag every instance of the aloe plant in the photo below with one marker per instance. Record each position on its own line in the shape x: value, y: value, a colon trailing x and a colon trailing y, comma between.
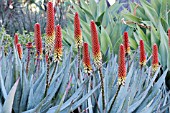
x: 128, y: 83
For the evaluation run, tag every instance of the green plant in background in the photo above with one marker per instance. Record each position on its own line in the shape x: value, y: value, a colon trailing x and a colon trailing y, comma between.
x: 151, y: 21
x: 108, y: 21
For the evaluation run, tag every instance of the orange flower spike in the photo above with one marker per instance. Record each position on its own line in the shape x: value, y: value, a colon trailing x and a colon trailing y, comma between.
x: 122, y: 66
x: 155, y: 61
x: 77, y: 31
x: 58, y: 44
x: 169, y: 37
x: 19, y: 49
x: 126, y: 43
x: 50, y: 29
x: 95, y: 45
x: 15, y: 39
x: 38, y: 40
x: 142, y: 54
x: 86, y: 59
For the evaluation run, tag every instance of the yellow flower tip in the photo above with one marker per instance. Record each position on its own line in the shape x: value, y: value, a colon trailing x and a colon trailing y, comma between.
x: 57, y: 55
x: 78, y: 41
x: 98, y: 60
x: 87, y: 68
x: 128, y: 50
x: 155, y: 67
x: 143, y: 63
x: 121, y: 81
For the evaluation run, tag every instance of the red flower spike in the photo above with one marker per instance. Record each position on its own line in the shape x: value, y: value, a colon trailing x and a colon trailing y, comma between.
x: 95, y: 45
x: 77, y: 31
x: 126, y: 43
x: 86, y: 59
x: 46, y: 58
x: 58, y: 44
x: 169, y: 37
x: 19, y: 49
x: 155, y: 63
x: 122, y: 66
x: 29, y: 45
x: 15, y: 39
x: 50, y: 29
x: 38, y: 40
x: 142, y: 54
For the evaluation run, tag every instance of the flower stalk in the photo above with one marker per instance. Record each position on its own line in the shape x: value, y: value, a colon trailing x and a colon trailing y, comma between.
x: 155, y: 61
x: 50, y: 29
x: 121, y: 73
x: 50, y: 36
x: 97, y: 58
x: 19, y: 49
x: 29, y: 46
x: 142, y: 61
x: 57, y: 49
x: 38, y: 40
x: 127, y: 48
x: 38, y: 44
x: 15, y: 39
x: 86, y: 59
x: 78, y: 39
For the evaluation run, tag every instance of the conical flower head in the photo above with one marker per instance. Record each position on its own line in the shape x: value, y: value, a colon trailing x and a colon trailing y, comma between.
x: 19, y: 49
x: 15, y: 39
x: 38, y: 40
x: 77, y: 31
x: 142, y: 61
x: 169, y: 37
x: 86, y: 59
x: 58, y: 44
x: 155, y: 62
x: 95, y: 45
x: 126, y: 43
x: 50, y: 29
x: 122, y: 66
